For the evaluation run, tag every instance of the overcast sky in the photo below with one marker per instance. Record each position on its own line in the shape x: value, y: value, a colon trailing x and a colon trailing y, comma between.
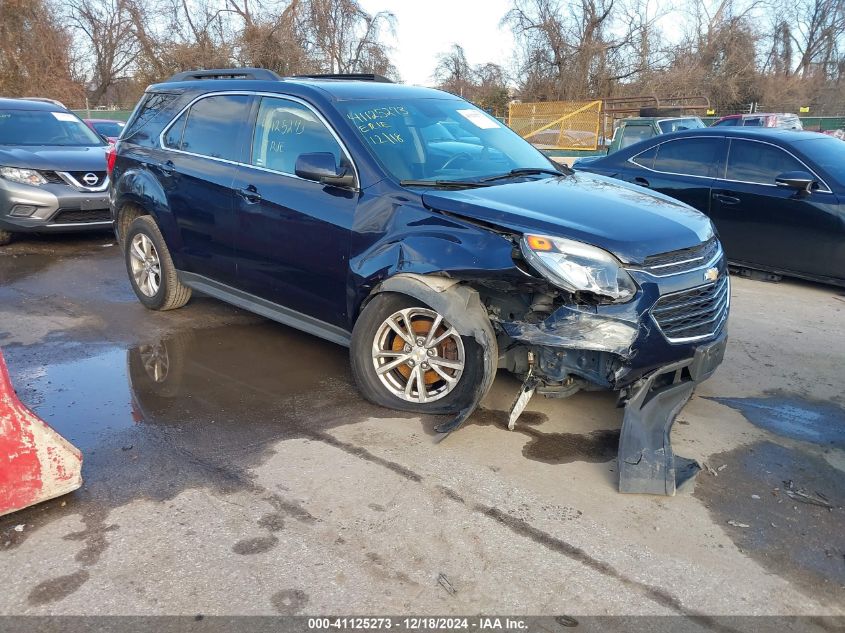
x: 425, y: 28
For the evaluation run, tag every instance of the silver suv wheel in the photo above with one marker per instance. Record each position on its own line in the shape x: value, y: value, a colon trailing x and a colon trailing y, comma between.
x: 417, y: 355
x: 145, y: 263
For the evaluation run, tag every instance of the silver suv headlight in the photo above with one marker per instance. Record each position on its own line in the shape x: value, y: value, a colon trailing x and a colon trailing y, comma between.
x: 23, y: 176
x: 578, y: 267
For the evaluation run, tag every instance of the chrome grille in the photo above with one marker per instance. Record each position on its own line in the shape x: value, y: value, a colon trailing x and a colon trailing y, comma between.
x: 682, y: 260
x: 695, y: 313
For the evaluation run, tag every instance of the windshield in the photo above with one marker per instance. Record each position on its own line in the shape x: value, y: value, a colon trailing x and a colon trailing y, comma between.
x: 825, y: 151
x: 676, y: 125
x: 108, y: 128
x: 439, y: 139
x: 41, y: 127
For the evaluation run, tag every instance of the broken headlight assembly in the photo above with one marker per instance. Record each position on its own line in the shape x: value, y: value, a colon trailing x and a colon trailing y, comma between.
x: 578, y: 267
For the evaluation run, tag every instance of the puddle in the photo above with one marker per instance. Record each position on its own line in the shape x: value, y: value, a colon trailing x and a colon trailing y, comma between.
x: 802, y: 542
x: 554, y: 448
x: 817, y: 422
x: 198, y: 409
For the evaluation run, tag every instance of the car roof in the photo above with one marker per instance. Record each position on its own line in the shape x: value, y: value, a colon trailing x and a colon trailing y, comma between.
x: 27, y: 104
x: 335, y: 89
x: 652, y: 119
x: 753, y: 114
x: 772, y: 133
x: 104, y: 120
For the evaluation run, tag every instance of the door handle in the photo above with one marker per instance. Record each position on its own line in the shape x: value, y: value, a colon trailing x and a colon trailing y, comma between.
x: 724, y: 199
x: 167, y: 168
x: 642, y: 182
x: 250, y: 194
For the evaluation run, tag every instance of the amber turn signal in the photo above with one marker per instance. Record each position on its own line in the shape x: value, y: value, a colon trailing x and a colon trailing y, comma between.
x: 537, y: 243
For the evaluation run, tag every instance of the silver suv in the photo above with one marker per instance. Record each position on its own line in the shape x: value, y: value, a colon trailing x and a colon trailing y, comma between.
x: 52, y: 171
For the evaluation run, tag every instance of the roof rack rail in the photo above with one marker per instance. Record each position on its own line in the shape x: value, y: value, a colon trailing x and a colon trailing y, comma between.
x: 349, y: 76
x: 225, y: 73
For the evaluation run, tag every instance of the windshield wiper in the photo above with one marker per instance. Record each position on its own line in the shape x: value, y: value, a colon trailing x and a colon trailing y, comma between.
x: 444, y: 184
x: 526, y: 171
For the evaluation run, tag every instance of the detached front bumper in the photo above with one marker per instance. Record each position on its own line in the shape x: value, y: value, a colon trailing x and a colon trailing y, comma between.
x: 52, y: 208
x: 655, y: 350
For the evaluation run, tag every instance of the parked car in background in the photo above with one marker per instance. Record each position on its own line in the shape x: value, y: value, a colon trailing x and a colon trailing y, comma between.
x: 46, y: 100
x: 775, y: 196
x: 52, y: 171
x: 109, y: 129
x: 761, y: 119
x: 636, y: 129
x: 408, y: 224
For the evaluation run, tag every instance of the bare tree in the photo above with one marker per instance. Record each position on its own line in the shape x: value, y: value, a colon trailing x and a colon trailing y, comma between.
x: 106, y: 26
x: 344, y: 38
x: 579, y: 49
x: 35, y: 53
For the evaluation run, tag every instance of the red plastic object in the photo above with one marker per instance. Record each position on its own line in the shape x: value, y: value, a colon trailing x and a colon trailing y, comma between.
x: 36, y: 463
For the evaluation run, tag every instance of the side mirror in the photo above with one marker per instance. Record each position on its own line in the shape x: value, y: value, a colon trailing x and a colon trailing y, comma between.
x: 321, y: 166
x: 798, y: 180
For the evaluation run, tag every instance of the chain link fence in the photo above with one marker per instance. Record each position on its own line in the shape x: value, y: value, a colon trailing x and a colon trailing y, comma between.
x: 558, y: 125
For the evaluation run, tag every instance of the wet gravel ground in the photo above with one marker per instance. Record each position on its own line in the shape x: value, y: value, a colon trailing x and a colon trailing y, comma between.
x: 220, y: 446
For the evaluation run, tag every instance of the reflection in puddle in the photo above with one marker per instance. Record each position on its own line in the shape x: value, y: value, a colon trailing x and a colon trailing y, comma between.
x: 795, y: 418
x: 196, y: 409
x: 93, y: 398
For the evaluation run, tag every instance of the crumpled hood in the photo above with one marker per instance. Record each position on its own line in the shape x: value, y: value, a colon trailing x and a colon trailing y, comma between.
x: 626, y: 220
x: 54, y: 157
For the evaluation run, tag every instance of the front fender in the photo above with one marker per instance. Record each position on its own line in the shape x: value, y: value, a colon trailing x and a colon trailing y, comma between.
x: 461, y: 306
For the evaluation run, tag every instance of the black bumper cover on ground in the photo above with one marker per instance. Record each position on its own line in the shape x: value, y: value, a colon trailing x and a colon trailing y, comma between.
x: 646, y: 462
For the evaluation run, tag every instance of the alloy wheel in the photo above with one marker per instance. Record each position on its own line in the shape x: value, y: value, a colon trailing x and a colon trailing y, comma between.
x: 145, y: 263
x: 417, y: 355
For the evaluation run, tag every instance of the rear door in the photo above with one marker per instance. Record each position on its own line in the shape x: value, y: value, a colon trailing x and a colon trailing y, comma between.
x: 769, y: 226
x: 293, y: 235
x: 203, y: 146
x: 683, y: 168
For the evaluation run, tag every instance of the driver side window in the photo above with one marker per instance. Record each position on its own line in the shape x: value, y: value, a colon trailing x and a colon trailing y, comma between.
x: 284, y: 130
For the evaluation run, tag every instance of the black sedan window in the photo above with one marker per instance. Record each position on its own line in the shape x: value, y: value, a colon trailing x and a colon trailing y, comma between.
x: 750, y: 161
x: 825, y: 151
x: 689, y: 156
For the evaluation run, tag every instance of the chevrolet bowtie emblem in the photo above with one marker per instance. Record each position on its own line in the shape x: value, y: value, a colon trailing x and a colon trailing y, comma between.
x: 711, y: 274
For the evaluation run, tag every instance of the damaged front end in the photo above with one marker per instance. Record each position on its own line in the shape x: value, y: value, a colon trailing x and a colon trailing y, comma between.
x: 653, y: 349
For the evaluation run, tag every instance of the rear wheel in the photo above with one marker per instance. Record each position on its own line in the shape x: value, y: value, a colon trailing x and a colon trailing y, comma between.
x: 5, y: 237
x: 151, y: 271
x: 407, y: 356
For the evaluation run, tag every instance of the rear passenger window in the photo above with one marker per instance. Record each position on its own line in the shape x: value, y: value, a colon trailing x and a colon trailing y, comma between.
x: 689, y: 156
x: 173, y: 138
x: 284, y: 130
x: 749, y: 161
x: 646, y: 158
x: 215, y: 126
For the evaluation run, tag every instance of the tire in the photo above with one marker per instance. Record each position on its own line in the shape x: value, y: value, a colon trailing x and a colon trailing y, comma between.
x: 162, y: 290
x: 5, y: 237
x: 370, y: 335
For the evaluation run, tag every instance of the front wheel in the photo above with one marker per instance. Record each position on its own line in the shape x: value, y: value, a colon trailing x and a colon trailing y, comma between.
x: 151, y: 271
x: 407, y: 356
x: 5, y: 237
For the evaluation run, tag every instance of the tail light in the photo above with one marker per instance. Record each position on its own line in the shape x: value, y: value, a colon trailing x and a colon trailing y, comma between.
x: 111, y: 156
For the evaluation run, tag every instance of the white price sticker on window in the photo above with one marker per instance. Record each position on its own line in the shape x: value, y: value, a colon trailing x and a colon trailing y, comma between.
x: 479, y: 119
x: 64, y: 116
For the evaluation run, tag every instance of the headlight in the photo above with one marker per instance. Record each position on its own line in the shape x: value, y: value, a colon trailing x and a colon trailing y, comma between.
x: 576, y: 266
x: 23, y: 176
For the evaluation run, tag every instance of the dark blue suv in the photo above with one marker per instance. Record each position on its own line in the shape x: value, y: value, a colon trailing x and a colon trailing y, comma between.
x: 437, y: 244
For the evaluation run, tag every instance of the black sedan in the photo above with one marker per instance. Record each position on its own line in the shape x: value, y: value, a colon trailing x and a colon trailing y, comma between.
x: 776, y: 197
